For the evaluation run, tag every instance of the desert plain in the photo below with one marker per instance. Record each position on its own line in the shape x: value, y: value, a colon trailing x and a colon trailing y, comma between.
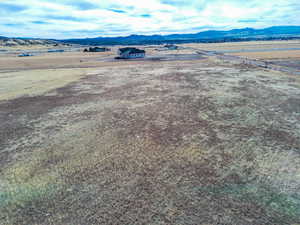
x: 87, y: 139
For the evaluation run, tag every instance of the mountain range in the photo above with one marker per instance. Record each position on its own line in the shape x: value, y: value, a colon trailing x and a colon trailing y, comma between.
x: 277, y: 32
x: 246, y: 34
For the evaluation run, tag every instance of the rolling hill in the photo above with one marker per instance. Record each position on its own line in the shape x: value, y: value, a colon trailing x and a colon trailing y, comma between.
x: 279, y: 32
x: 14, y: 42
x: 246, y: 34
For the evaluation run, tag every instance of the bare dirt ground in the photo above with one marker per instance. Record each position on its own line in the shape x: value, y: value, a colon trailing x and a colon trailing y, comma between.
x: 292, y: 63
x: 52, y: 61
x: 270, y: 55
x: 278, y: 53
x: 235, y: 46
x: 289, y: 59
x: 181, y: 142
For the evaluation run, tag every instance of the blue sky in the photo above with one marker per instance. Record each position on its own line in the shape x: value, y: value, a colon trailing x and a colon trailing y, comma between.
x: 92, y: 18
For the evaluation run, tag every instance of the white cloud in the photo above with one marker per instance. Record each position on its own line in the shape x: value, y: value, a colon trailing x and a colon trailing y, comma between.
x: 82, y: 18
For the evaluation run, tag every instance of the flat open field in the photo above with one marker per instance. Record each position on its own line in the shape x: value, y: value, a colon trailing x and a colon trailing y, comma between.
x: 85, y: 140
x: 269, y: 55
x: 282, y: 53
x: 250, y: 45
x: 51, y: 61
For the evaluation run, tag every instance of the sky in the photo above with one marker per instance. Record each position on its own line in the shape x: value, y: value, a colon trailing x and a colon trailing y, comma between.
x: 62, y: 19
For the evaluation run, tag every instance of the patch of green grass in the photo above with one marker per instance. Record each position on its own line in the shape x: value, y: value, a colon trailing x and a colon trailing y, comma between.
x: 20, y: 199
x: 282, y: 203
x: 27, y: 189
x: 19, y: 193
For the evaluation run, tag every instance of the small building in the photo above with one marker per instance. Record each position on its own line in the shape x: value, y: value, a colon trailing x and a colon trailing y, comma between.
x: 96, y: 49
x: 171, y: 47
x: 24, y: 55
x: 55, y: 50
x: 131, y: 53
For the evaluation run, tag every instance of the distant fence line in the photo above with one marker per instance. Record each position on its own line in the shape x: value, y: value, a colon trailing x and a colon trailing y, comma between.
x: 252, y: 62
x: 258, y: 63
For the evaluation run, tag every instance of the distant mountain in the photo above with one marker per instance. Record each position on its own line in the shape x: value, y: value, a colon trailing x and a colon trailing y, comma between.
x: 10, y: 42
x: 246, y: 34
x: 278, y: 32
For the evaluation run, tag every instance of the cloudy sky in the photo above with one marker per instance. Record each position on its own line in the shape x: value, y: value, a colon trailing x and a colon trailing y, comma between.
x: 91, y: 18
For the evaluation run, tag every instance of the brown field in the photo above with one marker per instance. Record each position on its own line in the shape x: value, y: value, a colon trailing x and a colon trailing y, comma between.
x: 246, y: 45
x: 52, y: 61
x: 26, y: 47
x: 36, y: 82
x: 85, y: 140
x: 293, y: 54
x: 280, y: 53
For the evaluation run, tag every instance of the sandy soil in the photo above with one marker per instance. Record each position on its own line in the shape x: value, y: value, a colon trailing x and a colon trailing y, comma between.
x: 10, y: 62
x: 36, y: 82
x: 270, y: 55
x: 181, y: 142
x: 52, y: 61
x: 26, y: 47
x: 246, y: 45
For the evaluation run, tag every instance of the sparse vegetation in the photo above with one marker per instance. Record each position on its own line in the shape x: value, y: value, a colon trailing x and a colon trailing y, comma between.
x: 189, y: 142
x: 17, y: 42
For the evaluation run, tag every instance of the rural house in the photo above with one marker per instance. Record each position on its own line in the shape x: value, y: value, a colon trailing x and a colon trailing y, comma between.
x: 171, y: 47
x: 131, y: 53
x: 96, y: 49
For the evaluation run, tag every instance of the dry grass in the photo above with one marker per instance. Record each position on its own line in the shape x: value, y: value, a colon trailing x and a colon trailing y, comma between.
x: 25, y: 47
x: 294, y: 54
x: 36, y: 82
x: 246, y: 45
x: 10, y: 62
x: 162, y: 143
